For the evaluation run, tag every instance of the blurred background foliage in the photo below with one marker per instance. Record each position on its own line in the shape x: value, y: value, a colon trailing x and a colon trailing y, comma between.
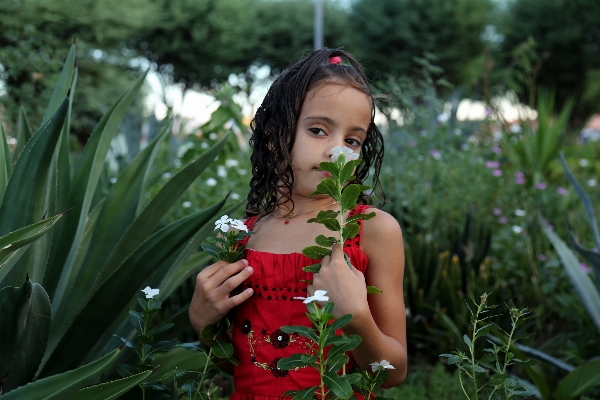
x: 467, y: 193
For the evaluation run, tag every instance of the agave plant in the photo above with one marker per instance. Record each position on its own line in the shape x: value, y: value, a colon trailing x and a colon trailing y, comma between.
x: 67, y: 280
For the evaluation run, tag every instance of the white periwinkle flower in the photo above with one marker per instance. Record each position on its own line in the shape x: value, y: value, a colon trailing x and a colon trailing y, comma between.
x: 239, y: 225
x: 166, y: 175
x: 381, y: 365
x: 520, y: 213
x: 583, y: 162
x: 346, y: 151
x: 150, y: 293
x: 113, y: 180
x: 235, y: 196
x: 318, y: 296
x: 591, y: 182
x: 211, y: 182
x: 231, y: 163
x: 186, y: 204
x: 223, y: 223
x: 517, y: 229
x: 443, y: 118
x: 221, y: 171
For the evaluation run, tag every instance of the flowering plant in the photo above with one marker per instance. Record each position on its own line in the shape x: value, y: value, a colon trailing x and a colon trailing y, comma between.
x: 226, y: 245
x: 338, y: 187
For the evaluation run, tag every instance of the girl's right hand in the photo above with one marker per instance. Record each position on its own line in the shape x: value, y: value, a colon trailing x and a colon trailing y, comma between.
x: 211, y: 299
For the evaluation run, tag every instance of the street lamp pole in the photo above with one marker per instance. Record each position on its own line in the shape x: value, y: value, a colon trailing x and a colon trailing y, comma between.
x: 318, y: 31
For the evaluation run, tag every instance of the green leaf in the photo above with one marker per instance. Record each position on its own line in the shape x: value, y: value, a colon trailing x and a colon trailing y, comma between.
x: 335, y: 364
x: 588, y: 294
x: 178, y: 359
x: 350, y: 231
x: 5, y: 165
x: 113, y: 296
x: 83, y: 188
x: 497, y: 379
x: 334, y: 351
x: 294, y: 361
x: 221, y: 349
x: 325, y: 214
x: 328, y: 187
x: 24, y: 133
x: 62, y: 386
x: 579, y: 381
x: 302, y: 331
x: 467, y: 341
x: 331, y: 168
x: 61, y: 89
x: 112, y: 389
x: 339, y: 385
x: 316, y: 252
x: 340, y: 322
x: 349, y: 197
x: 325, y: 241
x: 25, y: 315
x: 331, y: 224
x: 452, y: 358
x: 363, y: 217
x: 306, y: 394
x: 347, y: 170
x: 160, y: 328
x: 314, y: 268
x: 373, y: 290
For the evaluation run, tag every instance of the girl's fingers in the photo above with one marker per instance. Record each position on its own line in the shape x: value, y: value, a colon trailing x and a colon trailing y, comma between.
x: 227, y: 271
x: 234, y: 281
x: 310, y: 291
x: 240, y: 298
x: 209, y: 271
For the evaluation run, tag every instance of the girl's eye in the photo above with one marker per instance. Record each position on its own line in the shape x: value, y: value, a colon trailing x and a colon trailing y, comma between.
x: 317, y: 131
x: 353, y: 142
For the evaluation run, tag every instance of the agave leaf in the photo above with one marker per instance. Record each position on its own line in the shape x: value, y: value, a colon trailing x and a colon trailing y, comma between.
x: 113, y: 296
x: 63, y: 85
x: 147, y: 181
x: 5, y: 165
x: 579, y: 381
x: 178, y: 359
x: 112, y: 389
x: 27, y: 183
x: 587, y: 204
x: 24, y: 132
x: 62, y: 386
x: 580, y: 281
x: 83, y: 187
x: 25, y: 314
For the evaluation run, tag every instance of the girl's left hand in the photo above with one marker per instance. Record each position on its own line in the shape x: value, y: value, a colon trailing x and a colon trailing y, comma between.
x: 345, y: 285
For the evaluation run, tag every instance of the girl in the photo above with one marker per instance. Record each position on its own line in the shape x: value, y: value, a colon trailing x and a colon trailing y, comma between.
x: 315, y: 105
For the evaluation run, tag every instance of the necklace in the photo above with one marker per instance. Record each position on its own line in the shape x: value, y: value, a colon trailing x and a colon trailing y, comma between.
x: 292, y: 215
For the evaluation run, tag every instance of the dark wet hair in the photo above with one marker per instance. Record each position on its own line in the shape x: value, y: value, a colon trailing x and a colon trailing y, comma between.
x: 274, y: 129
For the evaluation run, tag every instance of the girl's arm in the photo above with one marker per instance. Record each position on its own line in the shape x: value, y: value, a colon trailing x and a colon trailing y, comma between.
x: 378, y: 319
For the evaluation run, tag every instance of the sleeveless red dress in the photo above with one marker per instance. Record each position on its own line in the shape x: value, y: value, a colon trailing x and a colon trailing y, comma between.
x: 257, y: 339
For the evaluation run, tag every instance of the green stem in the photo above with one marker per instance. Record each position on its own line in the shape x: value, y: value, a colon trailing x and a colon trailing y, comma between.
x: 472, y: 348
x: 205, y: 368
x: 461, y: 385
x: 322, y: 362
x: 342, y: 212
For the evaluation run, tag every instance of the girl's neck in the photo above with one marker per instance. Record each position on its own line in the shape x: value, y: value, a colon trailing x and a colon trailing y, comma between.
x: 304, y: 205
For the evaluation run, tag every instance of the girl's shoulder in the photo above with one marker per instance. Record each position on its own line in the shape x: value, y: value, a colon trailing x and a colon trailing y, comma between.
x: 380, y: 231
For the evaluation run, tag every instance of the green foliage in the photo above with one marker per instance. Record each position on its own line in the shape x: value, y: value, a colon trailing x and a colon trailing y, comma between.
x: 93, y: 260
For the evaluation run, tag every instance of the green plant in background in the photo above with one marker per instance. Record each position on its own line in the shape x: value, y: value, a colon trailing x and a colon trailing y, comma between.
x: 538, y: 148
x: 87, y: 266
x: 497, y: 359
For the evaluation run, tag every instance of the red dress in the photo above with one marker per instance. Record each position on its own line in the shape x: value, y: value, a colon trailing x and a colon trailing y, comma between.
x: 257, y: 339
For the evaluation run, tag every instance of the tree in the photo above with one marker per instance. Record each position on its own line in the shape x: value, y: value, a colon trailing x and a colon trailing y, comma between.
x: 388, y: 34
x: 569, y: 33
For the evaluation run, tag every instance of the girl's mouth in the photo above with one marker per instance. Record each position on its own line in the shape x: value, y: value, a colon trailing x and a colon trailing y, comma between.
x: 326, y: 174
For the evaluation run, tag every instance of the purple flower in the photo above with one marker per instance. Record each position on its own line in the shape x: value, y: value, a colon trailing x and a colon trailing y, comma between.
x: 492, y: 164
x: 435, y: 154
x: 497, y: 172
x: 497, y: 212
x: 540, y: 186
x: 496, y: 149
x: 488, y: 112
x: 542, y: 257
x: 413, y: 143
x: 585, y: 268
x: 519, y: 178
x: 502, y: 220
x: 562, y: 191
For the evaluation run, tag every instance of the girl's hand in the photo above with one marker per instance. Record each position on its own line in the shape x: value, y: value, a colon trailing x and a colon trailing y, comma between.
x: 211, y: 299
x: 345, y: 285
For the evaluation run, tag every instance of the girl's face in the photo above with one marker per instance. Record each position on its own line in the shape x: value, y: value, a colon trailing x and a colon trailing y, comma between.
x: 333, y: 114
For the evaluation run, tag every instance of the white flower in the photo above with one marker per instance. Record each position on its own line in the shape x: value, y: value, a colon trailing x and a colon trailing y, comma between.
x: 235, y: 196
x: 150, y: 293
x: 231, y: 163
x: 516, y: 128
x: 517, y: 229
x: 113, y: 180
x: 212, y: 136
x: 381, y: 365
x: 239, y: 225
x: 204, y: 145
x: 520, y: 213
x: 166, y: 175
x: 318, y: 296
x: 211, y: 182
x: 583, y: 162
x: 221, y: 171
x: 591, y: 182
x: 346, y: 151
x: 186, y: 204
x: 223, y: 223
x: 443, y: 118
x: 242, y: 171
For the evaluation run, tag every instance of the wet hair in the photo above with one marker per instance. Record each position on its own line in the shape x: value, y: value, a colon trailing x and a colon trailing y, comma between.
x: 274, y: 129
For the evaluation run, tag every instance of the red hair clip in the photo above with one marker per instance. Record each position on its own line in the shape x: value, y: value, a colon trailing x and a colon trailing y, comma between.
x: 335, y: 60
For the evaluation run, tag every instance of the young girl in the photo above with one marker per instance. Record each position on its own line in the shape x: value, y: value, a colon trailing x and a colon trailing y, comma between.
x: 321, y: 102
